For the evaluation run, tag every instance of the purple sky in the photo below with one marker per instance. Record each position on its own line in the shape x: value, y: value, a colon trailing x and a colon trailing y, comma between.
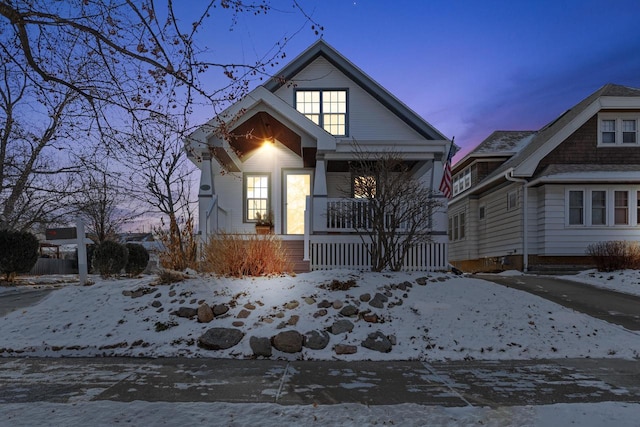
x: 467, y: 67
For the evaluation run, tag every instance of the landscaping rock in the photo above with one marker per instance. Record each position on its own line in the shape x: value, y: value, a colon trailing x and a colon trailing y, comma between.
x: 309, y: 300
x: 243, y: 314
x: 365, y: 297
x: 337, y: 304
x: 378, y: 300
x: 220, y: 338
x: 261, y: 346
x: 349, y: 310
x: 186, y: 312
x: 291, y: 305
x: 205, y: 314
x: 249, y: 306
x: 237, y: 323
x: 341, y: 326
x: 324, y: 304
x: 377, y: 341
x: 422, y: 281
x: 345, y: 349
x: 156, y: 304
x: 370, y: 318
x: 220, y: 309
x: 316, y: 340
x: 288, y: 341
x: 320, y: 313
x: 293, y: 320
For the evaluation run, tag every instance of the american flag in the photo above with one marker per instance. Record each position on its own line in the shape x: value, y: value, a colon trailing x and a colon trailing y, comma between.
x: 445, y: 184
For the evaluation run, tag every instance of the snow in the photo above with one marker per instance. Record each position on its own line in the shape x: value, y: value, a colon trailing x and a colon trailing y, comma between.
x: 106, y: 413
x: 449, y: 318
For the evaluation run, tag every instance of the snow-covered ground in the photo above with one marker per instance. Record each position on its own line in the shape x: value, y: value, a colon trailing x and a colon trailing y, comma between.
x: 447, y: 318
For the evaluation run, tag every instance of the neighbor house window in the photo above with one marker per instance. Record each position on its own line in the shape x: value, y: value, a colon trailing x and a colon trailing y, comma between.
x: 617, y: 129
x: 576, y: 207
x: 256, y: 196
x: 603, y: 207
x: 621, y: 207
x: 482, y: 212
x: 326, y: 108
x: 462, y: 181
x: 598, y: 208
x: 457, y: 226
x: 512, y: 199
x: 608, y: 129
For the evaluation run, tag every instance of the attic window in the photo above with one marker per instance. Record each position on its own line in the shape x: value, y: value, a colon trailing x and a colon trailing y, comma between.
x: 326, y: 108
x: 618, y: 129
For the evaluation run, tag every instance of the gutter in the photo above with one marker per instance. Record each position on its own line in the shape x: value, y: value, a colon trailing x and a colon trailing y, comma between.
x: 525, y: 216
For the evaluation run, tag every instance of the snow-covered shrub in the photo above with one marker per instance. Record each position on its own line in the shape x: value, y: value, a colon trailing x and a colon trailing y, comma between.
x: 109, y: 258
x: 18, y: 252
x: 137, y: 260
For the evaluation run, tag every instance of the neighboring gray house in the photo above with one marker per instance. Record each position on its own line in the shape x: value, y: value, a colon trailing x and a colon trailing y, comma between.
x: 530, y: 200
x: 285, y: 149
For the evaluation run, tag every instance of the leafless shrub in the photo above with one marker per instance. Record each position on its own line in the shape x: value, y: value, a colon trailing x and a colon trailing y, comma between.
x: 235, y: 255
x: 615, y: 255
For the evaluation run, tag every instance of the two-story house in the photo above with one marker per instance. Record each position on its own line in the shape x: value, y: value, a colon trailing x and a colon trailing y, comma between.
x: 534, y: 199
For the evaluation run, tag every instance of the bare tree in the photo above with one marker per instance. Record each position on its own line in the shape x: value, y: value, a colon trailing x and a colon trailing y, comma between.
x: 100, y: 201
x: 161, y: 177
x: 392, y: 210
x: 131, y: 54
x: 35, y: 122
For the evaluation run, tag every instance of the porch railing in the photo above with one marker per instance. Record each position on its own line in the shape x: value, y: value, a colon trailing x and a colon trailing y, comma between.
x: 347, y: 215
x: 348, y: 251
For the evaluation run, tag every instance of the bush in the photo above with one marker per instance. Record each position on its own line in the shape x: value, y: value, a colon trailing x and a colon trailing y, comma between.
x: 137, y: 260
x: 180, y: 248
x: 615, y: 255
x: 234, y: 255
x: 109, y: 258
x: 18, y: 252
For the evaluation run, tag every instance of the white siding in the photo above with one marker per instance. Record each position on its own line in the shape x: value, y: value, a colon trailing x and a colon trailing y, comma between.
x: 558, y: 238
x: 500, y: 233
x: 229, y: 186
x: 368, y: 119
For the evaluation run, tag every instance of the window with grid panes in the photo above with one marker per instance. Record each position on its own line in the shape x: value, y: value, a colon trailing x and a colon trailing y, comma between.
x: 326, y: 108
x: 256, y: 196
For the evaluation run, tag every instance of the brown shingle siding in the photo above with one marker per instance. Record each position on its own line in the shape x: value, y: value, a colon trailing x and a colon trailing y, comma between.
x: 582, y: 148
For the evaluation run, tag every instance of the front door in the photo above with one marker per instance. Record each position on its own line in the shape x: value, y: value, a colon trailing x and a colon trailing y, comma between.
x: 297, y: 186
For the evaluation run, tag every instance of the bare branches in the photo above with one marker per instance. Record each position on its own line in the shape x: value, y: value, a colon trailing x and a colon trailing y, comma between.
x: 392, y: 209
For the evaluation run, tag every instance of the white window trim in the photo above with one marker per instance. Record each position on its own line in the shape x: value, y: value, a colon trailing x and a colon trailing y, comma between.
x: 456, y: 226
x: 619, y: 117
x: 462, y: 181
x: 633, y: 220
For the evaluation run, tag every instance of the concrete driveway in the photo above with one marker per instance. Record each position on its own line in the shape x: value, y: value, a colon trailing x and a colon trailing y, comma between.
x: 613, y: 307
x: 14, y: 298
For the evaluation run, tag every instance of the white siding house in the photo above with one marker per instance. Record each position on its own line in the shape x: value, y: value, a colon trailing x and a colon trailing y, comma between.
x: 538, y: 199
x: 285, y: 149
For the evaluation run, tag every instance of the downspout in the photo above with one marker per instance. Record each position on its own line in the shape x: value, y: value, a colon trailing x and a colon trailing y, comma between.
x: 525, y: 217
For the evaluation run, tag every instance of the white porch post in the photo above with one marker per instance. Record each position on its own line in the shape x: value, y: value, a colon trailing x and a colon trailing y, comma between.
x: 206, y: 215
x: 319, y: 194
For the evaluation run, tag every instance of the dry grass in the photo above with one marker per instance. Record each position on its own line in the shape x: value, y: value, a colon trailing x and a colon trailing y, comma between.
x: 180, y: 247
x: 236, y: 255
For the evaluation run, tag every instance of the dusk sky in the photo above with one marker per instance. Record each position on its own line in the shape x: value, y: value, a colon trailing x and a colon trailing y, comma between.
x: 467, y: 67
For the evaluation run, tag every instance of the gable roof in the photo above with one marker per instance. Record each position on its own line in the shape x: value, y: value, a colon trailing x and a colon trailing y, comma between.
x: 501, y: 143
x: 553, y: 134
x: 322, y: 49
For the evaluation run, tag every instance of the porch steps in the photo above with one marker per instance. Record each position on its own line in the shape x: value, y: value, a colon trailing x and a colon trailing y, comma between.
x: 295, y: 253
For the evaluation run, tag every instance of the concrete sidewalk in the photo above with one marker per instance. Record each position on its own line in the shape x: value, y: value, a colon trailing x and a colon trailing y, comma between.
x: 462, y: 383
x: 613, y: 307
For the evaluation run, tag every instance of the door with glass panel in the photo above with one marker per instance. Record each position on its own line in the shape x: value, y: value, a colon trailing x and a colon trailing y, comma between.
x: 297, y: 186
